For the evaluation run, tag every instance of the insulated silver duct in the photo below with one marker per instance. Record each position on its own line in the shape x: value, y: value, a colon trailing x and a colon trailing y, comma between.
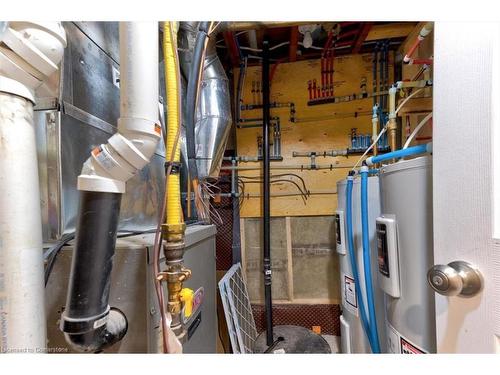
x: 213, y: 112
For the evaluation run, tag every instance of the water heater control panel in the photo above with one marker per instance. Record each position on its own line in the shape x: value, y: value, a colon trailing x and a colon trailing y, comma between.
x: 388, y: 255
x: 340, y: 232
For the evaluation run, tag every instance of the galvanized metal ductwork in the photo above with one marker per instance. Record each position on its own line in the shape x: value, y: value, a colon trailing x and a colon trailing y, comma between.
x: 213, y: 111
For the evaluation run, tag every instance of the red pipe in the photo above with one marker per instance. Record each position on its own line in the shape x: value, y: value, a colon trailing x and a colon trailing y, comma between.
x: 348, y: 33
x: 323, y: 63
x: 332, y: 55
x: 421, y: 62
x: 327, y: 44
x: 421, y: 36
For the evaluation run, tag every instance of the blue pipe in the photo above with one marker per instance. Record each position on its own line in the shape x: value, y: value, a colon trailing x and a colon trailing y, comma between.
x: 370, y: 300
x: 352, y: 256
x: 415, y: 150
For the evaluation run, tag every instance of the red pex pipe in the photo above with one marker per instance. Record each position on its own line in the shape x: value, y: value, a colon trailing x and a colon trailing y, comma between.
x: 323, y: 63
x: 332, y: 69
x: 421, y: 61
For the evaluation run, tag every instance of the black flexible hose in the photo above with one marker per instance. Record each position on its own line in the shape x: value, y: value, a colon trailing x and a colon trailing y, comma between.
x: 192, y: 95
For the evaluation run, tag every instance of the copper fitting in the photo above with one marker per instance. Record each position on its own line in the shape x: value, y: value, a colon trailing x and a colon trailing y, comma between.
x: 391, y: 133
x: 175, y: 276
x: 173, y: 232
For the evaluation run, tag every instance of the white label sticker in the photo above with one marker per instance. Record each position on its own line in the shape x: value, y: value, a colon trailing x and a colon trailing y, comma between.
x: 349, y: 298
x: 100, y: 322
x: 398, y: 344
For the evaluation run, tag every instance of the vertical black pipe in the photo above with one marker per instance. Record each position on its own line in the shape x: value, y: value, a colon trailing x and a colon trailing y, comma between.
x: 88, y: 323
x: 266, y: 230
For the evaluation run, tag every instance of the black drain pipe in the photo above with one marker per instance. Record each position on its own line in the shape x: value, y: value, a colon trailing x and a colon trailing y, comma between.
x: 266, y: 190
x: 88, y: 323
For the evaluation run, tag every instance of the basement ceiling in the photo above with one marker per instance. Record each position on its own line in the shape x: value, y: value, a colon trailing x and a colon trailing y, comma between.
x: 287, y: 42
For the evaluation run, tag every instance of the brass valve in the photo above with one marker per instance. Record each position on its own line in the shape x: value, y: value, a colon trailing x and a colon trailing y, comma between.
x: 173, y: 232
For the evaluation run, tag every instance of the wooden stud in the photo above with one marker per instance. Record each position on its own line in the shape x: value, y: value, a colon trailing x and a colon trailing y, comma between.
x: 390, y: 30
x: 288, y: 229
x: 363, y: 33
x: 411, y: 37
x: 243, y: 254
x: 294, y: 42
x: 230, y: 41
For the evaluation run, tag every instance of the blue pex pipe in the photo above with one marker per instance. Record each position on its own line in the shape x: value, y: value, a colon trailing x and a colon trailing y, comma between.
x: 370, y: 300
x: 415, y: 150
x: 352, y: 256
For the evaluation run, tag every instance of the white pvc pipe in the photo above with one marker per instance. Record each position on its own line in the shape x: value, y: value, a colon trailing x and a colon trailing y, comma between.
x: 22, y: 307
x: 129, y: 150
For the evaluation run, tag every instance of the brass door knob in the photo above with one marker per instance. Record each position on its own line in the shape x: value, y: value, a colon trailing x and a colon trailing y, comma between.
x: 455, y: 279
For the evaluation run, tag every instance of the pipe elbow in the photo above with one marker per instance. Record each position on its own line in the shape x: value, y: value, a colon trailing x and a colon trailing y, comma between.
x: 95, y: 340
x: 112, y: 164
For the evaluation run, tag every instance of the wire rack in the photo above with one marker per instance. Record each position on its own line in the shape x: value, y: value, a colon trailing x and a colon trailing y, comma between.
x: 238, y: 311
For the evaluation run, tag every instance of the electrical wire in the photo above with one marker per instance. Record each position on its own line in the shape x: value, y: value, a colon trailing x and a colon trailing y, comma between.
x: 408, y: 98
x: 50, y: 255
x: 303, y: 193
x: 280, y: 175
x: 369, y: 148
x: 417, y: 129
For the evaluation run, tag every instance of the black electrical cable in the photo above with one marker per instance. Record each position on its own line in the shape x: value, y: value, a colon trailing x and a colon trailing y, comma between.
x: 51, y: 254
x: 281, y: 175
x: 304, y: 194
x: 192, y: 95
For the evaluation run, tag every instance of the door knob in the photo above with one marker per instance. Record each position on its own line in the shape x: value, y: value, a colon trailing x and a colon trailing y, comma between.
x: 455, y: 279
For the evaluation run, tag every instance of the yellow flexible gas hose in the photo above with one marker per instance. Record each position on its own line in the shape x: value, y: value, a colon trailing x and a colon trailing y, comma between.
x: 174, y: 212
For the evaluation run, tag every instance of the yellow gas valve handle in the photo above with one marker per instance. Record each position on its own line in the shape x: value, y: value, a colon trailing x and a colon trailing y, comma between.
x: 187, y: 295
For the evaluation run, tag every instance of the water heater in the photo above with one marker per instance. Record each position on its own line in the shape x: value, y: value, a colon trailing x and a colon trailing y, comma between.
x: 405, y: 253
x: 353, y: 338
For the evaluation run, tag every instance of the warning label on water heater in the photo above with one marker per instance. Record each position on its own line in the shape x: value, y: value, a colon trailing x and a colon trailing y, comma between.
x: 409, y: 348
x: 349, y: 295
x: 398, y: 344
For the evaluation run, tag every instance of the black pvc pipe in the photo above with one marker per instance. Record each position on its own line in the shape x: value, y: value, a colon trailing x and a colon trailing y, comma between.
x: 87, y: 321
x: 192, y: 94
x: 266, y: 193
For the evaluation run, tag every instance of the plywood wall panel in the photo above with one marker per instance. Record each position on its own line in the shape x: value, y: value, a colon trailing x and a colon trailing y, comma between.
x: 289, y: 84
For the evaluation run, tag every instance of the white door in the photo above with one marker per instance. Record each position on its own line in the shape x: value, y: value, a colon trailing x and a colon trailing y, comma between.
x: 467, y: 180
